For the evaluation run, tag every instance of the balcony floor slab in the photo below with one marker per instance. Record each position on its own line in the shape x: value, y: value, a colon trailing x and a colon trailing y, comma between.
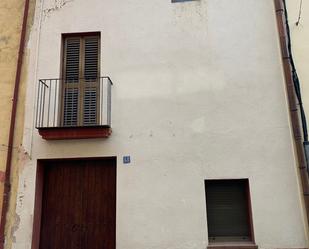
x: 85, y: 132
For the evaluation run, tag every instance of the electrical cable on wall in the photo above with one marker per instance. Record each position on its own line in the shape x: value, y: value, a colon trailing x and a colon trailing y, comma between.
x: 299, y: 13
x: 295, y: 78
x: 297, y: 88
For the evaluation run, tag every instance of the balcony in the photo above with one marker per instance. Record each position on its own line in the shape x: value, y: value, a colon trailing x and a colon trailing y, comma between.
x: 74, y: 108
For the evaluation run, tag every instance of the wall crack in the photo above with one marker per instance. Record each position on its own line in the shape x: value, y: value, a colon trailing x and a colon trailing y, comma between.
x: 58, y: 4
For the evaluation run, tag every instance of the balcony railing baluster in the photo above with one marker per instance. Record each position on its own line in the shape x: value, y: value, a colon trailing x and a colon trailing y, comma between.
x: 59, y: 103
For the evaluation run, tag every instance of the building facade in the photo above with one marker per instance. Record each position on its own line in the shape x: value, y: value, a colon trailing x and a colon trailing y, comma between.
x: 156, y: 124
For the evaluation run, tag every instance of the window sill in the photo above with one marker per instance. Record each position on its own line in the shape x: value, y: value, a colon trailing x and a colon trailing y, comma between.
x: 232, y: 245
x: 62, y: 133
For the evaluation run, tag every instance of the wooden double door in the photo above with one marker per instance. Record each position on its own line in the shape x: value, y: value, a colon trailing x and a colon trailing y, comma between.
x: 78, y: 205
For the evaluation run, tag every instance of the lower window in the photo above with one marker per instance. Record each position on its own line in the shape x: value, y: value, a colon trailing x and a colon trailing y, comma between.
x: 228, y: 210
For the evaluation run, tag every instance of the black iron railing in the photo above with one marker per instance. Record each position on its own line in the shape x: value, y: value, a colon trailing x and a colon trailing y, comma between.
x: 73, y: 102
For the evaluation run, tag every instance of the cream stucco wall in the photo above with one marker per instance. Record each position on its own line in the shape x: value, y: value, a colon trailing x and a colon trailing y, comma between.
x: 198, y: 94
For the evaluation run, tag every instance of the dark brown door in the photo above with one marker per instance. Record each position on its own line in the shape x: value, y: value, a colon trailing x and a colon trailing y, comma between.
x: 79, y: 205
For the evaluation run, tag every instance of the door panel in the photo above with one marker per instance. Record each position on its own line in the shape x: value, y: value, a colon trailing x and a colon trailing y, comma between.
x: 79, y: 205
x: 101, y: 219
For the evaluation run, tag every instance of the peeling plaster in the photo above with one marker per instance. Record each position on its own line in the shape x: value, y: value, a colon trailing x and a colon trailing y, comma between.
x: 4, y: 40
x: 15, y: 227
x: 23, y: 157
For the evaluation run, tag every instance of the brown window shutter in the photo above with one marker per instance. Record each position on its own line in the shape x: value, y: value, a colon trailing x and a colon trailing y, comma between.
x: 72, y: 59
x: 91, y: 75
x: 70, y: 107
x: 227, y: 210
x: 91, y: 58
x: 90, y: 106
x: 81, y: 80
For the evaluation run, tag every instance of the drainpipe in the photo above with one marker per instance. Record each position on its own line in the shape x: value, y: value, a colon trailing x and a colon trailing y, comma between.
x: 294, y: 100
x: 7, y: 183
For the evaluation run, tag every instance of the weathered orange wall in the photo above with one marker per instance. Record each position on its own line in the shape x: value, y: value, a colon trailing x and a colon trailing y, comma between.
x: 11, y: 17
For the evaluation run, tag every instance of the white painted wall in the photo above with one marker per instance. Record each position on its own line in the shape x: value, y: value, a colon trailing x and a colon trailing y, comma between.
x: 198, y: 94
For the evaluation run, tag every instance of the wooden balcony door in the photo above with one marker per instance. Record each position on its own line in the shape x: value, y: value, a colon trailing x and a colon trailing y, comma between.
x: 78, y: 205
x: 80, y: 88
